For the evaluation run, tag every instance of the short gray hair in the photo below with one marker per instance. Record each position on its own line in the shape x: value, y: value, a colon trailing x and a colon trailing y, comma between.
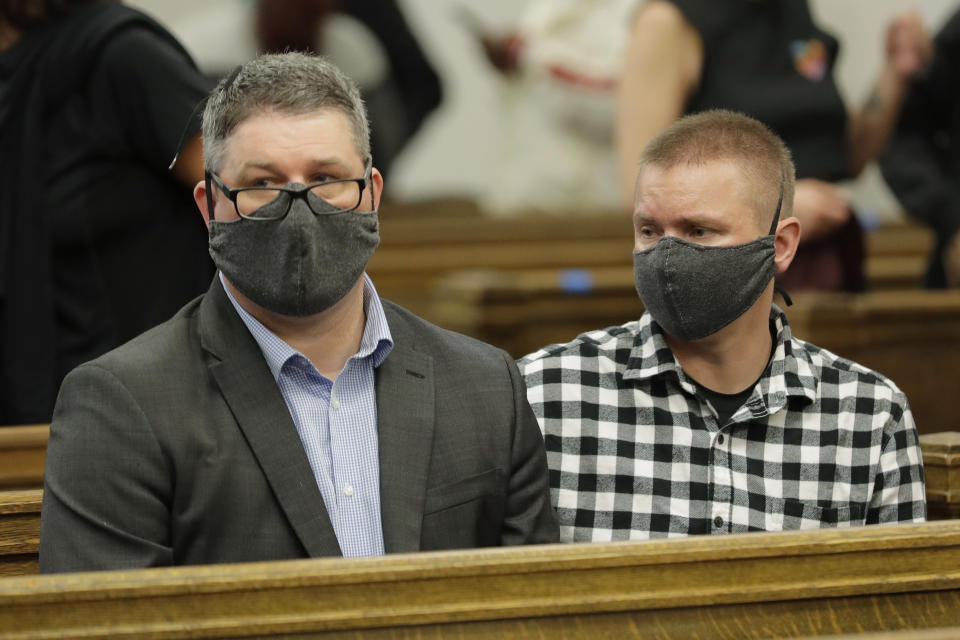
x: 288, y: 83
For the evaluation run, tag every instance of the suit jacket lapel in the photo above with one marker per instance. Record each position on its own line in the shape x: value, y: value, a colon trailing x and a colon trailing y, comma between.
x: 405, y: 417
x: 255, y: 400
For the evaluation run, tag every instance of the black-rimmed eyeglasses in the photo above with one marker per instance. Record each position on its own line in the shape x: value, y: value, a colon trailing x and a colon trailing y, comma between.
x: 252, y: 203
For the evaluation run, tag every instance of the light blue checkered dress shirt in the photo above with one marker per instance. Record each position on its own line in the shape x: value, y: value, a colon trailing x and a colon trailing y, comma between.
x: 337, y: 423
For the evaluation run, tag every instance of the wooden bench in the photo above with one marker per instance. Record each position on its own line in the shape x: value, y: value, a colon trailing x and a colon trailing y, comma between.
x: 807, y: 583
x: 19, y: 532
x: 897, y: 256
x: 417, y: 252
x: 941, y: 467
x: 20, y: 510
x: 22, y: 452
x: 913, y: 336
x: 945, y: 633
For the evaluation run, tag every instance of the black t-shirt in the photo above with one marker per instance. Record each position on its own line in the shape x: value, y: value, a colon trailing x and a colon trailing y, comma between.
x: 727, y: 404
x: 770, y: 61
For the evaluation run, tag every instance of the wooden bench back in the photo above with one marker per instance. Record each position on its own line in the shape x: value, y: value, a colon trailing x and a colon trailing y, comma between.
x: 913, y: 337
x: 812, y: 583
x: 22, y: 452
x: 417, y: 252
x: 19, y: 531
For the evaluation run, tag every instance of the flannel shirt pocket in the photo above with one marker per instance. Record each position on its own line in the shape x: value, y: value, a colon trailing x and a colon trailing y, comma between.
x: 789, y: 515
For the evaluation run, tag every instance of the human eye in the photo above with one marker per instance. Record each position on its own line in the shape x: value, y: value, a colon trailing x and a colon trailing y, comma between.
x: 647, y: 232
x: 699, y: 232
x: 256, y: 182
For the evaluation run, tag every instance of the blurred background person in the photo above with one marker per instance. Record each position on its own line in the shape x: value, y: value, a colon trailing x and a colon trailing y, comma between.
x: 371, y: 41
x: 455, y: 156
x: 922, y: 162
x: 770, y: 60
x: 95, y: 99
x: 560, y: 66
x: 373, y: 44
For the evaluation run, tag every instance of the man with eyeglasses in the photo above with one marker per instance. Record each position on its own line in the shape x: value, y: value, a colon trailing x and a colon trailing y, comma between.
x: 289, y: 412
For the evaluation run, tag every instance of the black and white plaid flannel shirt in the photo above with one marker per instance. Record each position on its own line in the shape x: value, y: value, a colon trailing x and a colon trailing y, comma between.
x: 635, y: 451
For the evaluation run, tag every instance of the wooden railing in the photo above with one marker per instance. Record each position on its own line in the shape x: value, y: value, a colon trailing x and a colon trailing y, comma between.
x: 744, y: 586
x: 792, y: 584
x: 22, y: 451
x: 20, y: 509
x: 19, y: 532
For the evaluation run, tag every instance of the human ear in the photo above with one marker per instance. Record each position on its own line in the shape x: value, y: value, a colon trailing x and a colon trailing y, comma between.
x: 200, y: 197
x: 376, y: 187
x: 786, y: 240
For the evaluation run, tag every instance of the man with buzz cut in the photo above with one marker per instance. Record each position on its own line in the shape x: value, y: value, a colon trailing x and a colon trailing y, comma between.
x: 707, y: 416
x: 290, y: 412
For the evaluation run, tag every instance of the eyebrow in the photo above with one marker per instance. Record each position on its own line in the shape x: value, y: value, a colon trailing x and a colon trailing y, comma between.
x: 700, y: 219
x: 317, y: 163
x: 642, y: 218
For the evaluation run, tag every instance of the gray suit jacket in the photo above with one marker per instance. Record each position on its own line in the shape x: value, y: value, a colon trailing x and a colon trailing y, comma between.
x: 178, y: 448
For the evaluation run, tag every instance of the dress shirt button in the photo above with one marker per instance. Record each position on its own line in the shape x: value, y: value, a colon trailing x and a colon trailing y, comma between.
x: 334, y: 403
x: 720, y: 439
x: 718, y: 522
x: 348, y: 490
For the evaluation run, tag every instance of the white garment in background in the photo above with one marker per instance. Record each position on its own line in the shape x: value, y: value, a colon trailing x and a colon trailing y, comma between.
x: 557, y: 151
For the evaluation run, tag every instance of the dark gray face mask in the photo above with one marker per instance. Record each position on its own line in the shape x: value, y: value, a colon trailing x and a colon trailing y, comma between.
x: 693, y: 291
x: 300, y: 264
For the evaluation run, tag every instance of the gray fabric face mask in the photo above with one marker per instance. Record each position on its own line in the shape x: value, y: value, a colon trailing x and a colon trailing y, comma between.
x: 300, y: 264
x: 693, y: 291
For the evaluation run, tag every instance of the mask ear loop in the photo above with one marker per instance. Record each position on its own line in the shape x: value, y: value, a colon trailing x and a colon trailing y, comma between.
x: 776, y: 216
x: 208, y: 181
x: 773, y: 232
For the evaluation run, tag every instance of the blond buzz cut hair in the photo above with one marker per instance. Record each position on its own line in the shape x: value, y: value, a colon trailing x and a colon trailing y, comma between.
x: 720, y: 134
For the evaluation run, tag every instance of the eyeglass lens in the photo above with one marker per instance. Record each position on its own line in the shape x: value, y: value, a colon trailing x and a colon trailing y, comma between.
x: 343, y: 195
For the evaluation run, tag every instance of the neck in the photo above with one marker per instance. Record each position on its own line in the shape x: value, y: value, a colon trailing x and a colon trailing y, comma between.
x: 327, y: 339
x: 733, y: 358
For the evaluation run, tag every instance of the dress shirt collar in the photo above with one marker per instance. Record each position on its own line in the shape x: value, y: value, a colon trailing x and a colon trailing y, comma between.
x: 376, y: 342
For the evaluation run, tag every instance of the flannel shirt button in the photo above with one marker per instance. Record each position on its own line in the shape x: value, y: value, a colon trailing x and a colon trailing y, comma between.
x: 718, y: 522
x: 720, y: 439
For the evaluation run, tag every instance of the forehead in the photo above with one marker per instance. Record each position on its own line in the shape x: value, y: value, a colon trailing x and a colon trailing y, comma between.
x: 717, y: 190
x: 269, y: 136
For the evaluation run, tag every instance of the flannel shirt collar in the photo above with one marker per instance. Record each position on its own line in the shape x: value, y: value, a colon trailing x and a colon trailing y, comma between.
x: 790, y: 372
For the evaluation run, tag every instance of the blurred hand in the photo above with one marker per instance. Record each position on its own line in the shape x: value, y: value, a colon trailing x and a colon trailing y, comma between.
x: 951, y: 262
x: 821, y: 208
x: 908, y: 44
